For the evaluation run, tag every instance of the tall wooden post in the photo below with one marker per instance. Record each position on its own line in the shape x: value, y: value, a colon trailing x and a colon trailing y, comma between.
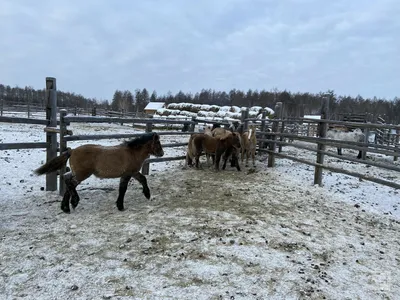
x: 146, y: 165
x: 396, y: 145
x: 262, y: 129
x: 192, y: 126
x: 51, y: 137
x: 322, y: 128
x: 275, y: 127
x: 244, y: 116
x: 282, y: 128
x: 63, y: 147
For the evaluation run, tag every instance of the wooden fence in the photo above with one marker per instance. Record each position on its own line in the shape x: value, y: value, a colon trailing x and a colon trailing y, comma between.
x: 277, y: 136
x: 271, y: 137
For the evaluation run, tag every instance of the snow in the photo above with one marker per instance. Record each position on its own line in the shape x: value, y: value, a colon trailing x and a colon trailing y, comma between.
x: 211, y: 112
x: 316, y: 117
x: 154, y: 105
x: 264, y: 233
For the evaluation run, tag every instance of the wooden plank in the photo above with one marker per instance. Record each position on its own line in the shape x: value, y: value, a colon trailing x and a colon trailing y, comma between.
x: 359, y: 146
x: 174, y: 145
x: 345, y: 157
x: 124, y: 120
x: 163, y: 159
x: 22, y: 120
x: 101, y: 137
x: 338, y: 170
x: 14, y: 146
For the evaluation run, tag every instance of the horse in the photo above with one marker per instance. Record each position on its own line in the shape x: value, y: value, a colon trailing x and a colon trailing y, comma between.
x: 122, y: 161
x: 249, y: 143
x: 208, y: 131
x: 200, y: 142
x: 344, y: 134
x: 219, y: 132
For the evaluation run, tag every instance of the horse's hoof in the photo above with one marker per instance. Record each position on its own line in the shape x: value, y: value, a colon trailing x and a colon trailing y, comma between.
x: 147, y: 193
x: 66, y: 210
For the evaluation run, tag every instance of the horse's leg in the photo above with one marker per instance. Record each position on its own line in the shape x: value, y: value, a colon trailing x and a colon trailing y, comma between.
x: 142, y: 179
x: 235, y: 159
x: 225, y: 159
x: 197, y: 160
x: 123, y: 185
x: 339, y: 151
x: 189, y: 160
x: 218, y: 155
x: 71, y: 184
x: 359, y: 154
x: 65, y: 201
x: 253, y: 156
x: 247, y: 157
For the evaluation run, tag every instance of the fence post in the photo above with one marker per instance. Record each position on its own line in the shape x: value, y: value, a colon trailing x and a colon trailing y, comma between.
x: 146, y: 165
x: 63, y: 147
x: 192, y: 126
x: 322, y: 128
x: 2, y: 106
x: 51, y: 137
x: 272, y: 144
x: 282, y: 129
x: 244, y: 116
x: 262, y: 129
x: 366, y: 136
x: 396, y: 143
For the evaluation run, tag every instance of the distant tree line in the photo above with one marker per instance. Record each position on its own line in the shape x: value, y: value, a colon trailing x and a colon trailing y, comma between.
x: 295, y: 104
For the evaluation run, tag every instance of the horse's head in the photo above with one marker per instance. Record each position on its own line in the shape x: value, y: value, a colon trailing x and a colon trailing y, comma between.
x: 216, y: 125
x: 236, y: 140
x: 155, y: 146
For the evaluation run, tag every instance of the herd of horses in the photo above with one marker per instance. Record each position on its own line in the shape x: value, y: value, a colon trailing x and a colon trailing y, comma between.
x: 125, y: 161
x: 218, y: 142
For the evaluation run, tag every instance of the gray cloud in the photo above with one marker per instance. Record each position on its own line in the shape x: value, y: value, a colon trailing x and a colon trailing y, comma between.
x: 94, y: 47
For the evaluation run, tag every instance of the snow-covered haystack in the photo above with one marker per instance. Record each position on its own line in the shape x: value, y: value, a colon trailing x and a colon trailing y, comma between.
x: 210, y: 112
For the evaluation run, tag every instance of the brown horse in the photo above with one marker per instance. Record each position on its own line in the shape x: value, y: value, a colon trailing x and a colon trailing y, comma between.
x: 122, y: 161
x: 200, y: 142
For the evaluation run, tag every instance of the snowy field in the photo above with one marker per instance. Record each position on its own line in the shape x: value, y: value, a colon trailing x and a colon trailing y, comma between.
x: 260, y: 233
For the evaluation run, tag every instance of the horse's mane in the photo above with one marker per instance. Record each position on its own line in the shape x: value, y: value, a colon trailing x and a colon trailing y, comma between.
x: 139, y: 141
x: 216, y: 125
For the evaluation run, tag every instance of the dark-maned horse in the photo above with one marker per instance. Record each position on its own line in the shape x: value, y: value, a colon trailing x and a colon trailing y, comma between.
x: 226, y: 146
x: 122, y: 161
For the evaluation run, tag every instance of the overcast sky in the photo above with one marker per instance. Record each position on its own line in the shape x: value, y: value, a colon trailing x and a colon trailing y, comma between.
x: 94, y: 47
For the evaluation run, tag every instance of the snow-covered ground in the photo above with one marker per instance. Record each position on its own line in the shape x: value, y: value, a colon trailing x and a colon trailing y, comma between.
x: 263, y: 233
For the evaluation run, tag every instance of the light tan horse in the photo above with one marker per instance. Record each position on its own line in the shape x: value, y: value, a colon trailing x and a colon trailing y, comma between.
x: 122, y: 161
x: 249, y: 143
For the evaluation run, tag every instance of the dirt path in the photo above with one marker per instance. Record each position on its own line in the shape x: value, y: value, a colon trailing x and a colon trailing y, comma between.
x: 204, y: 235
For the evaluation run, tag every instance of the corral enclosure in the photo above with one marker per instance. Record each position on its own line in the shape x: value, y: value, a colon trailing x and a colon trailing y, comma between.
x: 263, y: 233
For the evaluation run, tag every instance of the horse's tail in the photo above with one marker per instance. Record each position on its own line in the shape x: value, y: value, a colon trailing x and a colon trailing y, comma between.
x: 54, y: 164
